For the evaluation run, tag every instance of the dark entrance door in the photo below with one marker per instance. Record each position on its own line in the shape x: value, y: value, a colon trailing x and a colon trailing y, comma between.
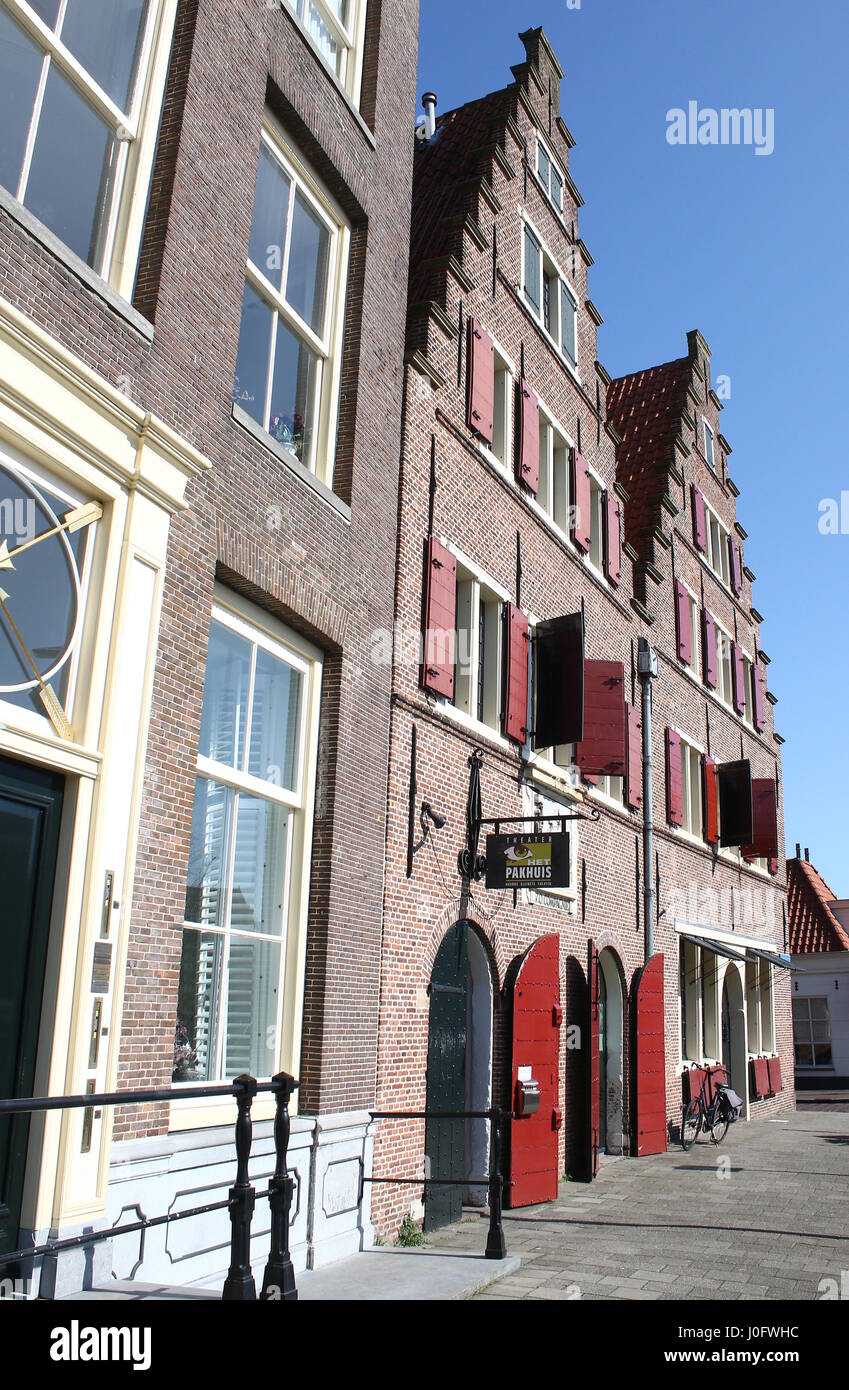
x: 726, y: 1033
x: 30, y: 810
x: 602, y: 1063
x: 592, y: 1062
x: 446, y: 1076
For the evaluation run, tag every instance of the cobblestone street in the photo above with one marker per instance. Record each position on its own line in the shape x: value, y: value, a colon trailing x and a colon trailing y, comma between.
x: 670, y: 1227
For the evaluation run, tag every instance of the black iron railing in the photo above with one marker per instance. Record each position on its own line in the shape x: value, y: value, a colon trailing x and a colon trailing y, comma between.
x: 279, y: 1279
x: 496, y: 1248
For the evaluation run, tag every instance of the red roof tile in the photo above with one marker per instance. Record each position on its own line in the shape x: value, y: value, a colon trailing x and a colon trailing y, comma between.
x: 813, y: 925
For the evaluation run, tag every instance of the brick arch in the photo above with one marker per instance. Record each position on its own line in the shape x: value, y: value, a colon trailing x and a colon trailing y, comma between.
x: 456, y: 910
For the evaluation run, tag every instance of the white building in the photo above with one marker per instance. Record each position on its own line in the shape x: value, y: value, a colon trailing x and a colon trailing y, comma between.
x: 819, y: 948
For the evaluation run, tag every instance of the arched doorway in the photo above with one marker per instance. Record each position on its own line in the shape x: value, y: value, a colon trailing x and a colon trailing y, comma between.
x: 734, y: 1031
x: 459, y: 1073
x: 610, y: 1054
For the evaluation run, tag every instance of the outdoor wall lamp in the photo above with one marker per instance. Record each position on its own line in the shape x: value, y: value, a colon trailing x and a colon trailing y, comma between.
x: 428, y: 813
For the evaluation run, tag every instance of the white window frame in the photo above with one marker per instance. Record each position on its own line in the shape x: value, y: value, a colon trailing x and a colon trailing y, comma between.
x: 137, y: 131
x: 691, y: 755
x: 724, y: 669
x: 597, y: 491
x: 469, y: 572
x: 689, y: 1007
x: 350, y: 38
x: 562, y: 280
x: 719, y: 564
x: 554, y: 499
x: 710, y: 993
x: 694, y: 665
x: 553, y: 167
x: 708, y: 438
x: 327, y: 346
x: 813, y: 1065
x: 504, y: 367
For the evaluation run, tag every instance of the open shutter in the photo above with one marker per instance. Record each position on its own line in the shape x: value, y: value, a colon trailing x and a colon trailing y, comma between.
x: 651, y: 1060
x: 440, y: 616
x: 516, y: 704
x: 601, y: 751
x: 683, y: 626
x: 634, y: 779
x: 581, y: 502
x: 758, y: 697
x: 559, y: 681
x: 674, y: 783
x: 734, y: 781
x: 536, y: 1045
x: 593, y: 1062
x: 738, y: 677
x: 481, y: 374
x: 736, y: 567
x: 711, y: 807
x: 709, y: 643
x: 612, y: 538
x: 764, y: 844
x: 699, y: 520
x: 527, y: 455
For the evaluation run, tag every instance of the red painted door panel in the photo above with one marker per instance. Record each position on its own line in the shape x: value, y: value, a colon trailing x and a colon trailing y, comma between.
x: 593, y: 1066
x: 651, y: 1060
x: 536, y: 1044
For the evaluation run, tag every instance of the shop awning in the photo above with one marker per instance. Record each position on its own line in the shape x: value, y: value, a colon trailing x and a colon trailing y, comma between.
x: 753, y: 954
x: 719, y: 947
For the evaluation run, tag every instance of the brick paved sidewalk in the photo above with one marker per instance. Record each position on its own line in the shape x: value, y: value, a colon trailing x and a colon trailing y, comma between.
x: 669, y: 1227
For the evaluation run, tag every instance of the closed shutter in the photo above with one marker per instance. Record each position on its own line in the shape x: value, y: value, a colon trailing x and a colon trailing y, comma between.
x: 692, y: 1081
x: 440, y: 613
x: 699, y: 520
x: 527, y: 458
x: 481, y: 393
x: 758, y: 698
x: 601, y: 752
x: 612, y: 538
x: 651, y: 1060
x: 581, y: 502
x: 634, y: 780
x: 764, y: 820
x: 736, y: 567
x: 774, y: 1072
x: 760, y: 1077
x: 683, y: 626
x: 711, y: 803
x: 709, y: 642
x: 516, y: 705
x: 739, y: 677
x: 674, y: 784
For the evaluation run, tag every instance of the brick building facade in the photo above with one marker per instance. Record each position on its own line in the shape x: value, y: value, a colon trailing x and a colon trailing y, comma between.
x: 207, y: 344
x: 534, y: 488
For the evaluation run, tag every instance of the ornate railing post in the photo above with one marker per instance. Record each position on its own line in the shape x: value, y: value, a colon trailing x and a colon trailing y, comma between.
x: 495, y: 1246
x: 279, y: 1280
x: 239, y: 1283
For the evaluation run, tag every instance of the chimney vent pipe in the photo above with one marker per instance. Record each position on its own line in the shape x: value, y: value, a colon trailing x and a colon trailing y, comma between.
x: 429, y: 104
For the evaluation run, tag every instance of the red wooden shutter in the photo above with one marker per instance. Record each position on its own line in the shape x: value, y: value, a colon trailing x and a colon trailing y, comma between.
x: 736, y: 567
x: 692, y: 1080
x: 440, y: 616
x: 527, y: 459
x: 683, y: 625
x: 709, y: 639
x: 674, y: 783
x: 651, y: 1060
x: 516, y: 708
x: 760, y: 1072
x: 536, y: 1044
x: 581, y: 502
x: 593, y: 1066
x: 634, y: 780
x: 758, y: 697
x: 481, y: 393
x: 601, y: 752
x: 764, y: 820
x: 699, y: 520
x: 739, y: 677
x: 612, y: 538
x: 774, y: 1071
x: 710, y: 800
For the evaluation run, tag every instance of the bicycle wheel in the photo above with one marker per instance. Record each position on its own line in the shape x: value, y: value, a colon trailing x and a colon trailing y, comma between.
x: 692, y: 1123
x: 719, y: 1126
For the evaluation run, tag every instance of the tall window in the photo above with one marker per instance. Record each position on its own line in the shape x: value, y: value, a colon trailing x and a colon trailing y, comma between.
x: 596, y: 550
x: 688, y: 988
x: 710, y: 1003
x: 724, y: 664
x: 549, y: 297
x: 336, y: 28
x: 73, y: 76
x: 288, y: 364
x: 478, y: 650
x: 692, y: 619
x: 812, y: 1032
x: 549, y: 176
x: 717, y: 547
x: 554, y: 473
x: 691, y: 787
x: 708, y: 445
x: 248, y: 840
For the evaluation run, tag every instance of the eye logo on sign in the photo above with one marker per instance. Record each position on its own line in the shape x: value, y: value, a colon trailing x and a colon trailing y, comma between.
x: 527, y: 861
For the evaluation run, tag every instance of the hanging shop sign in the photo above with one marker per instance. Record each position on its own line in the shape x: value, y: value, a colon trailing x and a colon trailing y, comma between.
x: 527, y: 861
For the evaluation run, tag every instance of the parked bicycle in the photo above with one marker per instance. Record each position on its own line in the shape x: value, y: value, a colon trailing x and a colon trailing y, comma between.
x: 714, y: 1117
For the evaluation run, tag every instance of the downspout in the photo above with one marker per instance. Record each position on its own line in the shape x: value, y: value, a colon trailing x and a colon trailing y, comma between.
x: 647, y: 672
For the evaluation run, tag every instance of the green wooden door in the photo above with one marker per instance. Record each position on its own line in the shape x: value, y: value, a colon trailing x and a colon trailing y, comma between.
x: 30, y: 811
x: 446, y: 1076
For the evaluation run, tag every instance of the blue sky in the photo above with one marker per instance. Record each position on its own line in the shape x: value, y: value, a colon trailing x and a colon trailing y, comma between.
x: 750, y: 249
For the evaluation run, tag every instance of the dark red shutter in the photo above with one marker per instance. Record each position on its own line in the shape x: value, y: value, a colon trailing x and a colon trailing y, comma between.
x: 634, y: 780
x: 710, y: 800
x: 692, y: 1081
x: 651, y: 1060
x: 738, y: 670
x: 760, y: 1077
x: 736, y: 567
x: 527, y: 458
x: 593, y: 1062
x: 481, y: 394
x: 516, y: 708
x: 758, y: 697
x: 683, y: 625
x: 581, y: 502
x: 674, y: 783
x: 612, y: 538
x: 764, y: 820
x: 440, y: 615
x: 709, y: 641
x: 699, y: 520
x: 774, y: 1072
x: 536, y: 1044
x: 601, y: 752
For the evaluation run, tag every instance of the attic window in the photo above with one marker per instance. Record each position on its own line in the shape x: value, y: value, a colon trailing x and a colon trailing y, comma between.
x: 549, y: 176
